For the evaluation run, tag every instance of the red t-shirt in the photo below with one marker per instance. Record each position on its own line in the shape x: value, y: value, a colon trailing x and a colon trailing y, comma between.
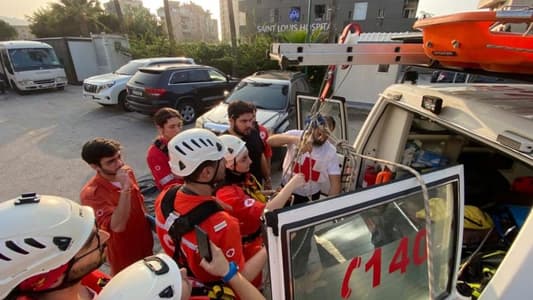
x: 222, y: 229
x: 157, y: 161
x: 136, y: 241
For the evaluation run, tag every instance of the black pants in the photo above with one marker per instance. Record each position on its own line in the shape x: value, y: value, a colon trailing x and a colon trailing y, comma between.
x: 301, y: 242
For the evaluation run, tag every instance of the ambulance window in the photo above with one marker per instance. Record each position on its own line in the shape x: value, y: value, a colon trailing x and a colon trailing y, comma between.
x: 377, y: 253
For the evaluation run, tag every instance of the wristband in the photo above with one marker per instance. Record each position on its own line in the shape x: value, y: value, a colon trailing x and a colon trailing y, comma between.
x: 233, y: 269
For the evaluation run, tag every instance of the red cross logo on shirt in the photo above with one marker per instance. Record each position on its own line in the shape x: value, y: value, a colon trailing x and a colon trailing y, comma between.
x: 307, y: 169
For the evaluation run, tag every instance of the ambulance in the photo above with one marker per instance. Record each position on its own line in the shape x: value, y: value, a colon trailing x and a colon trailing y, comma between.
x: 437, y: 186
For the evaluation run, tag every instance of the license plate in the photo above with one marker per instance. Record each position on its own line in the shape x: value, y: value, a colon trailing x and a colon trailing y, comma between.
x: 136, y: 93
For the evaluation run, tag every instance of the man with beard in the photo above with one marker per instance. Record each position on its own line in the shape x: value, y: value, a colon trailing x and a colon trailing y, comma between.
x: 241, y: 117
x: 114, y: 195
x: 52, y: 243
x: 316, y: 158
x: 197, y: 155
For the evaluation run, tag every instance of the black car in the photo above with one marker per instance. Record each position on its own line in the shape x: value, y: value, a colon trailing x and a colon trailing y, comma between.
x: 188, y: 88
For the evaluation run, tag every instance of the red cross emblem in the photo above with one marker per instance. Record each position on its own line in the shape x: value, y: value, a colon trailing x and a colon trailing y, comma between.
x: 307, y: 169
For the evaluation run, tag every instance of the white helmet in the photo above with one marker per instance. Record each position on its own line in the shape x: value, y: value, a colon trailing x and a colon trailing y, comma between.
x: 190, y: 148
x: 155, y: 277
x: 234, y: 145
x: 39, y: 234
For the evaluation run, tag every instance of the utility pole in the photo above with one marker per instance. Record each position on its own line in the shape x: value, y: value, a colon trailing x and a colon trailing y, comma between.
x: 120, y: 16
x: 308, y: 33
x: 332, y: 18
x: 233, y: 34
x: 170, y: 32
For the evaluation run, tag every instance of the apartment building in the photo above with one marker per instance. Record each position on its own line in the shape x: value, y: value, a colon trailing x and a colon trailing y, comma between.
x: 190, y: 22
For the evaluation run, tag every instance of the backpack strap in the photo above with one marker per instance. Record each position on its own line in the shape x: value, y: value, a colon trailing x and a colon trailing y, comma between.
x: 161, y: 146
x: 178, y: 225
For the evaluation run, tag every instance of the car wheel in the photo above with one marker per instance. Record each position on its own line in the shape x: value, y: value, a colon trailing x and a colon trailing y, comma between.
x: 123, y: 103
x: 187, y: 111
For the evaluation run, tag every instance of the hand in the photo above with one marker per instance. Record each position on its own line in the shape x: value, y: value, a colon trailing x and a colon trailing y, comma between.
x: 124, y: 179
x: 219, y: 265
x: 296, y: 181
x: 267, y: 184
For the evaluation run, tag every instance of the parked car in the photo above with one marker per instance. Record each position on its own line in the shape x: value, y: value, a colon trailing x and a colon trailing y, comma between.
x: 110, y: 88
x: 188, y: 88
x: 272, y: 92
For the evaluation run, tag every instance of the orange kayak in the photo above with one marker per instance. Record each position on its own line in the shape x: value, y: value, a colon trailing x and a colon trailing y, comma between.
x: 481, y: 40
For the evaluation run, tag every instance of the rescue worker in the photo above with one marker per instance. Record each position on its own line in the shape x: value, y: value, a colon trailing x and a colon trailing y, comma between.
x: 159, y: 277
x: 247, y: 202
x: 197, y: 155
x: 311, y: 154
x: 114, y: 195
x: 241, y: 117
x: 267, y: 162
x: 168, y: 122
x: 49, y: 245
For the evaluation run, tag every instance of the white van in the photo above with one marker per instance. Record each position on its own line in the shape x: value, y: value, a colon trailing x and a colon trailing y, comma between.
x: 110, y: 88
x: 29, y: 66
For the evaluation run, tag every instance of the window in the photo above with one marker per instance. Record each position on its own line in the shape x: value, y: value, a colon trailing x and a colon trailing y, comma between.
x: 274, y: 15
x: 320, y: 12
x: 381, y: 13
x: 383, y: 68
x: 198, y: 76
x: 359, y: 11
x: 33, y: 59
x: 178, y: 77
x: 216, y: 76
x: 409, y: 8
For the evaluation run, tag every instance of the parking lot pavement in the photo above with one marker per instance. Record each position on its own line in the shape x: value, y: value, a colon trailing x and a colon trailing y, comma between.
x: 42, y: 134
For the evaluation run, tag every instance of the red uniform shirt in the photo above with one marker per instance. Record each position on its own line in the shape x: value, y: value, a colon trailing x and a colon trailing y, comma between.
x: 157, y: 161
x: 136, y: 241
x: 248, y: 211
x: 222, y: 229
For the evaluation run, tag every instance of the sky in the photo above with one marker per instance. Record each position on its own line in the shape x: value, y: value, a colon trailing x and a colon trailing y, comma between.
x: 21, y: 8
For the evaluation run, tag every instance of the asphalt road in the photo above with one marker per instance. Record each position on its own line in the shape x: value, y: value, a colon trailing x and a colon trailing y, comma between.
x: 41, y: 135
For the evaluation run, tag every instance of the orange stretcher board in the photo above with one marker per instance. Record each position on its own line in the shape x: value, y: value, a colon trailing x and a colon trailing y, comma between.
x: 481, y: 40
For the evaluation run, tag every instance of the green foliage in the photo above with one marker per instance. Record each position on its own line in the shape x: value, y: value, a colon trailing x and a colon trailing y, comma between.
x: 7, y: 32
x: 251, y: 56
x: 58, y: 19
x: 299, y: 36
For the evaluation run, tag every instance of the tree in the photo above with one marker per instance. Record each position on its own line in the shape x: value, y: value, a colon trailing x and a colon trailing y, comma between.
x: 58, y: 18
x: 7, y: 32
x: 169, y: 27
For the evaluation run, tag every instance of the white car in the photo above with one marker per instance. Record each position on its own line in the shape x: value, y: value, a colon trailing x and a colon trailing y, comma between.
x: 110, y: 88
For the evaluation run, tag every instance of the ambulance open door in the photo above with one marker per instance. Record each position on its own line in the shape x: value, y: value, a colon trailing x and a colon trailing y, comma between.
x: 370, y: 244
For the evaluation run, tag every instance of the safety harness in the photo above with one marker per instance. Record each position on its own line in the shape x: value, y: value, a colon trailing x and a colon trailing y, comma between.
x: 178, y: 225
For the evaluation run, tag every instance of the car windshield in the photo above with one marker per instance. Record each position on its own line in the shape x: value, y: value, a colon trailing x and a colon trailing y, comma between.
x: 129, y: 68
x: 27, y: 59
x: 263, y: 95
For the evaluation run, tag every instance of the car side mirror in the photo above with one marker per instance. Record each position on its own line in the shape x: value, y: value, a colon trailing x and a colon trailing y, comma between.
x: 228, y: 77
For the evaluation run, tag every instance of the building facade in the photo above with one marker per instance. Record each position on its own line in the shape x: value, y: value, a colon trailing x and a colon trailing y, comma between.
x: 190, y: 22
x: 273, y: 16
x: 239, y: 18
x: 124, y: 5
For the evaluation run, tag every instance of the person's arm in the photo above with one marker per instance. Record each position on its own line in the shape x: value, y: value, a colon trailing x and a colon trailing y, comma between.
x: 285, y: 193
x: 121, y: 214
x: 254, y: 266
x: 219, y: 266
x: 265, y: 171
x: 282, y: 139
x: 160, y: 169
x: 334, y: 185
